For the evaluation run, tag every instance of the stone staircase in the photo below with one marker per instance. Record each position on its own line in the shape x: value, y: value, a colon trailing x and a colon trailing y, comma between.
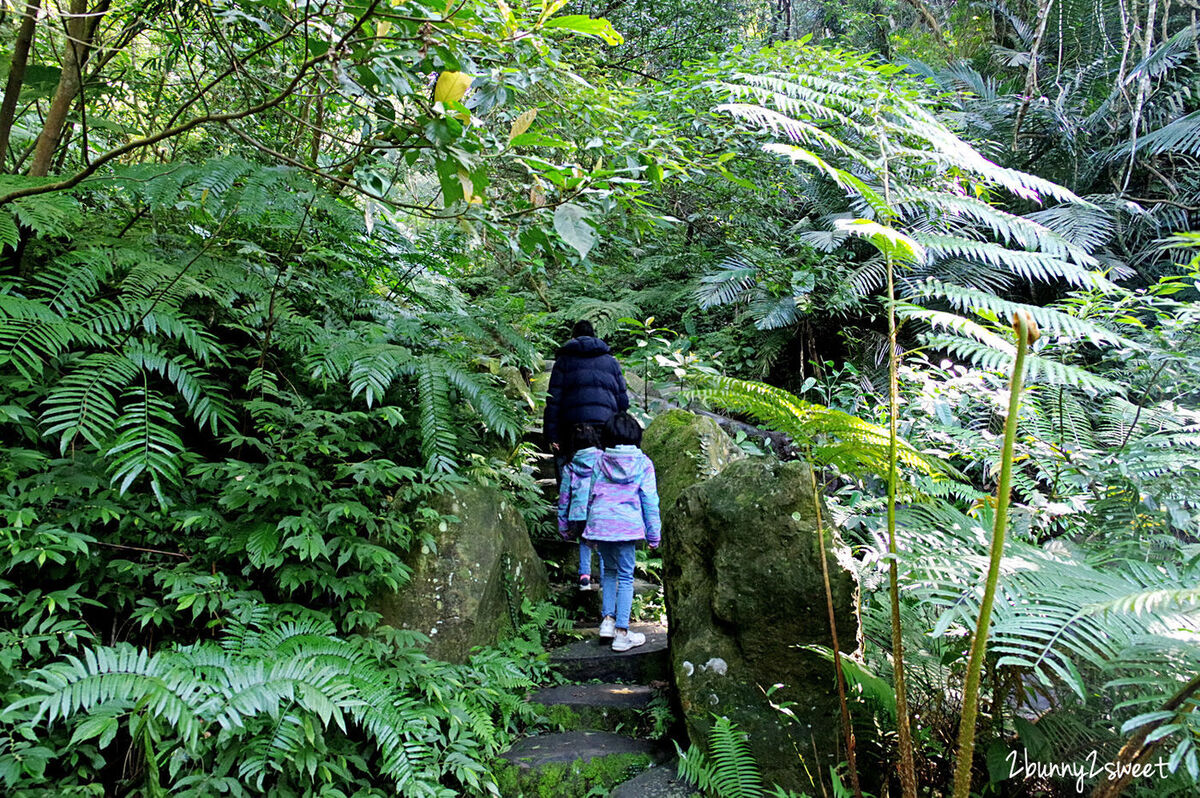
x: 611, y: 708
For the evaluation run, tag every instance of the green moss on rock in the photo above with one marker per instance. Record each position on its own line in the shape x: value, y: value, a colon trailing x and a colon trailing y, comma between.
x: 686, y: 448
x: 559, y: 779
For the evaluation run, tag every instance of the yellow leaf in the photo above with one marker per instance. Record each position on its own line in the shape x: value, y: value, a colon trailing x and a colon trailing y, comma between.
x: 467, y: 186
x: 382, y: 28
x: 522, y: 123
x: 451, y: 86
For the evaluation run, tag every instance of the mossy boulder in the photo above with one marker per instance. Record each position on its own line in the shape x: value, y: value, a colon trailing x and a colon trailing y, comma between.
x: 515, y: 387
x: 466, y: 588
x: 685, y: 449
x: 742, y: 573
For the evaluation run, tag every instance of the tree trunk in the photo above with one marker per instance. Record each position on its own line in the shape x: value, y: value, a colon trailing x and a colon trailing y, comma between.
x: 929, y: 19
x: 81, y: 27
x: 16, y: 74
x: 1031, y: 78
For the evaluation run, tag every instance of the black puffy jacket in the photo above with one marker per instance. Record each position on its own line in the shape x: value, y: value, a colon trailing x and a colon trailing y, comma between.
x: 586, y: 387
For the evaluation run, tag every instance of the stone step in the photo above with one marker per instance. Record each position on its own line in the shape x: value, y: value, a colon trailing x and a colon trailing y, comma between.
x: 655, y: 782
x: 573, y: 763
x: 589, y: 659
x: 607, y: 707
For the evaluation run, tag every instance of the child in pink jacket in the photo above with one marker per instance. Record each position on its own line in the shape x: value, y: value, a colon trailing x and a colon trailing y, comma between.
x: 622, y: 509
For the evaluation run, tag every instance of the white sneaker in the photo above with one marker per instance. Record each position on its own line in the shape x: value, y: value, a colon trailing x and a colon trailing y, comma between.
x: 608, y: 627
x: 623, y: 641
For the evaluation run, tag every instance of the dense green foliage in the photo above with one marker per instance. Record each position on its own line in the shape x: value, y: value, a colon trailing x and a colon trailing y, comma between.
x: 269, y: 268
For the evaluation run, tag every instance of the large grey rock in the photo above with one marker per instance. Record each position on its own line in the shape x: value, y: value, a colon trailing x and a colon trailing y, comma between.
x: 743, y: 590
x: 685, y: 449
x: 465, y: 590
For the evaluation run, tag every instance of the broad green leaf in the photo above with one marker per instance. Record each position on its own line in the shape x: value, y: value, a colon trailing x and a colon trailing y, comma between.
x: 538, y: 140
x: 581, y: 23
x: 570, y: 222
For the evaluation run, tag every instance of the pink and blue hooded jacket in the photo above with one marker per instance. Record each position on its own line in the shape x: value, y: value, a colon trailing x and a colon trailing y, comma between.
x: 624, y: 498
x: 576, y: 487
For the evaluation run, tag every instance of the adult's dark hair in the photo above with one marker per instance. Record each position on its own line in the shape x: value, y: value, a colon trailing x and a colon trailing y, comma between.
x: 584, y: 436
x: 621, y: 430
x: 583, y: 329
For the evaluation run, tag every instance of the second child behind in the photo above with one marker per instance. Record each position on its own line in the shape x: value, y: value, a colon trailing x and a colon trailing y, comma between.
x: 574, y: 493
x: 622, y: 509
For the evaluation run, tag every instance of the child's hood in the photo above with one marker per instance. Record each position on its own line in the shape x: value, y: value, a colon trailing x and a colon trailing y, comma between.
x: 585, y: 460
x: 623, y: 464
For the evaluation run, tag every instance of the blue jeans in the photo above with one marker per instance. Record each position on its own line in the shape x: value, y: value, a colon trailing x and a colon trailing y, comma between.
x: 617, y: 580
x: 585, y: 561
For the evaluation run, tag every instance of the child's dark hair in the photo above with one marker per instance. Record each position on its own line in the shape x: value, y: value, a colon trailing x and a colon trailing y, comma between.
x: 583, y: 329
x: 584, y: 436
x: 621, y: 429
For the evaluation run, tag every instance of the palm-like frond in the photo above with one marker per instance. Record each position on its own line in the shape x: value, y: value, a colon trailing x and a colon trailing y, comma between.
x: 730, y: 282
x: 1059, y: 610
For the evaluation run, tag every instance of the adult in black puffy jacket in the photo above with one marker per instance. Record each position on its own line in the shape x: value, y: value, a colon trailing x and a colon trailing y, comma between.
x: 586, y: 387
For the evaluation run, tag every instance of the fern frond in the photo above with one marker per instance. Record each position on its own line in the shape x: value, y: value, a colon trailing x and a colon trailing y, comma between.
x: 84, y: 403
x: 146, y: 442
x: 1029, y: 265
x: 734, y: 772
x: 31, y: 334
x: 1088, y: 226
x: 1024, y: 232
x: 1049, y: 320
x: 728, y: 283
x: 830, y: 437
x: 605, y: 314
x: 797, y: 131
x: 1037, y: 369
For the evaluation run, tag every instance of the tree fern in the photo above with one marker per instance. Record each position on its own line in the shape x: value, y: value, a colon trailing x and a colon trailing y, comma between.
x: 829, y: 437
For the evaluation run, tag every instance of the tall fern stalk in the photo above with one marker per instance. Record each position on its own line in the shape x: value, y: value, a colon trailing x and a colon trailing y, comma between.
x: 907, y: 765
x: 1027, y: 332
x: 847, y: 727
